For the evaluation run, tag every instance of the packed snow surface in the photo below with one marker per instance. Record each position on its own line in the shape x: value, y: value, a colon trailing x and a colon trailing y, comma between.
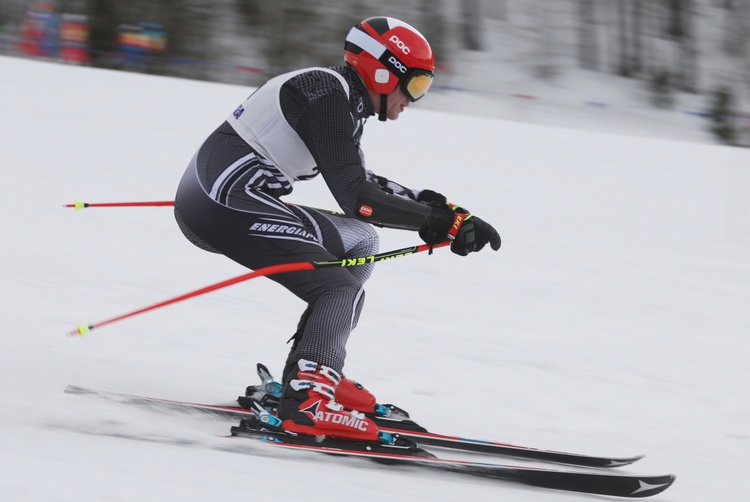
x: 614, y: 319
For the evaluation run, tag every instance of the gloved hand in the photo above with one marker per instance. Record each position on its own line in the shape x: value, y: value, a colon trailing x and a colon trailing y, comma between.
x: 437, y: 232
x: 432, y: 197
x: 467, y: 232
x: 470, y: 234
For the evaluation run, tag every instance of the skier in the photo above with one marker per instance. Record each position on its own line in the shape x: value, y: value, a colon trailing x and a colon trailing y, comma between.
x: 294, y: 127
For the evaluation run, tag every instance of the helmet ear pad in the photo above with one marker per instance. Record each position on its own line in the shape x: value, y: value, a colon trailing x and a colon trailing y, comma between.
x: 374, y: 74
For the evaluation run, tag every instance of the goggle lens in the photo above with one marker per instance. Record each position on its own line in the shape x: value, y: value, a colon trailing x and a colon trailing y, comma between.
x: 418, y: 85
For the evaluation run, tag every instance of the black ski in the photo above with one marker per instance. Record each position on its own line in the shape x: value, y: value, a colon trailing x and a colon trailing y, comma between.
x: 230, y: 410
x: 594, y: 482
x: 421, y: 436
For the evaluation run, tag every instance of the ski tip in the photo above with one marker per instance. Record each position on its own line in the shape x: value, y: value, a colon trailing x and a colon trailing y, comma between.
x: 619, y: 462
x: 653, y: 485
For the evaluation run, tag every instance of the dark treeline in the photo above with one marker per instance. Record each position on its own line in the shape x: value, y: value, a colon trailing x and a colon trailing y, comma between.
x: 671, y: 46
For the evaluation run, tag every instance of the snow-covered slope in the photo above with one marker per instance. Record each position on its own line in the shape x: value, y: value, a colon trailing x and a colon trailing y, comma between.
x: 613, y: 320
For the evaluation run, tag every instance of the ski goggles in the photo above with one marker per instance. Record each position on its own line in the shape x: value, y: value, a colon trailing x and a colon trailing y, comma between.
x: 416, y: 83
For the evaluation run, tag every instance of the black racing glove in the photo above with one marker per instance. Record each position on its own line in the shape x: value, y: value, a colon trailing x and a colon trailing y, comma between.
x: 470, y: 234
x: 467, y: 232
x: 442, y: 217
x: 432, y: 197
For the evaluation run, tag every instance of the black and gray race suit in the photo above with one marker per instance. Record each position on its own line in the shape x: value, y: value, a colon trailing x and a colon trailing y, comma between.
x: 294, y: 127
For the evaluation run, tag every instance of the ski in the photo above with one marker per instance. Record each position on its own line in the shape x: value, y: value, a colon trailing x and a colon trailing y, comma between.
x: 511, y: 450
x: 230, y: 410
x: 593, y: 482
x: 394, y: 427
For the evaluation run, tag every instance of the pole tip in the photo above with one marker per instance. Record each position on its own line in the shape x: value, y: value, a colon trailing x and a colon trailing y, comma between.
x: 77, y: 205
x: 80, y: 330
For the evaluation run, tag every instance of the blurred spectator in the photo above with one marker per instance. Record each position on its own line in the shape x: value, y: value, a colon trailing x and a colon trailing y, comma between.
x: 6, y: 40
x: 74, y: 39
x: 138, y: 45
x: 39, y: 31
x: 155, y: 38
x: 132, y: 47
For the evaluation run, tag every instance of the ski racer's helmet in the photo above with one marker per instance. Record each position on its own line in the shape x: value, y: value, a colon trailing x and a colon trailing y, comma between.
x: 387, y: 53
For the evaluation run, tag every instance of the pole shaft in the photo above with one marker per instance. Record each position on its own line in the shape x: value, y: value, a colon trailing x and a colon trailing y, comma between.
x: 263, y: 272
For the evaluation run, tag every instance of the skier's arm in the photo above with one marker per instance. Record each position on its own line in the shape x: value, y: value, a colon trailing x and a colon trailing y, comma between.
x: 326, y: 127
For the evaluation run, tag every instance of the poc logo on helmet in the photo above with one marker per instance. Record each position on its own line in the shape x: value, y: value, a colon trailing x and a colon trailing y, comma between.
x: 397, y: 64
x: 404, y: 48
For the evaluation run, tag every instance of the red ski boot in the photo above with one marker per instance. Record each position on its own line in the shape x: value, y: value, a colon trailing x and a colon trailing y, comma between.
x: 353, y: 396
x: 308, y: 406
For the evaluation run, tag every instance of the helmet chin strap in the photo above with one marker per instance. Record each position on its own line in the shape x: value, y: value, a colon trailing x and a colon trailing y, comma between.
x: 383, y: 115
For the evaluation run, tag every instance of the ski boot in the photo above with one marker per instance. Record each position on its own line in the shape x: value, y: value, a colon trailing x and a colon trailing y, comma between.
x: 308, y: 406
x: 270, y: 428
x: 350, y: 394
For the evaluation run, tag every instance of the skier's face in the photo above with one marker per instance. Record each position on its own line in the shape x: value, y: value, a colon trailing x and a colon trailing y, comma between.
x: 397, y: 103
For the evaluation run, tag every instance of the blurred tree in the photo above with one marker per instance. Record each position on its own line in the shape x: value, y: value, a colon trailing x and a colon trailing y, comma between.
x: 250, y: 11
x: 189, y: 27
x: 685, y: 14
x: 723, y: 116
x: 677, y: 21
x: 275, y: 22
x: 662, y: 92
x: 471, y: 25
x: 546, y: 60
x: 623, y: 63
x: 637, y: 27
x: 588, y: 46
x: 736, y: 40
x: 630, y: 33
x: 348, y: 14
x: 433, y: 26
x: 103, y: 32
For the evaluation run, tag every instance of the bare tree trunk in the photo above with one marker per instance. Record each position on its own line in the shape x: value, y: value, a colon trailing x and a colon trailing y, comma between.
x: 737, y: 28
x: 623, y: 64
x: 637, y: 26
x: 689, y: 54
x: 432, y: 26
x: 676, y: 18
x: 588, y: 47
x: 545, y: 60
x: 103, y: 32
x: 471, y: 15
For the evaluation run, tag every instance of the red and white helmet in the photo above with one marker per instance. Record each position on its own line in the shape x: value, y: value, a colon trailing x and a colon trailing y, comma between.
x: 387, y: 53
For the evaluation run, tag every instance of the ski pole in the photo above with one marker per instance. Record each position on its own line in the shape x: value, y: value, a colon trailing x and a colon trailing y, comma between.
x: 78, y: 205
x: 81, y: 205
x: 83, y: 329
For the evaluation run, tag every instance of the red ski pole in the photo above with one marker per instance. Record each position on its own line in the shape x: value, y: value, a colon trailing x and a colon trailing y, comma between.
x: 81, y: 205
x: 82, y: 329
x: 77, y: 205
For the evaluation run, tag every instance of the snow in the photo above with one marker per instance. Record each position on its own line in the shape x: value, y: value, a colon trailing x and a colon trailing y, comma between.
x: 613, y: 320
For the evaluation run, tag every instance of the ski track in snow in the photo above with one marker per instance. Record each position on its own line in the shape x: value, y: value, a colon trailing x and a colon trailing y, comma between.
x: 613, y: 320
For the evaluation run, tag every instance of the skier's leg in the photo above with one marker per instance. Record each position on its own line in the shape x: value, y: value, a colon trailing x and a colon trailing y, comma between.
x: 268, y: 232
x: 358, y: 239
